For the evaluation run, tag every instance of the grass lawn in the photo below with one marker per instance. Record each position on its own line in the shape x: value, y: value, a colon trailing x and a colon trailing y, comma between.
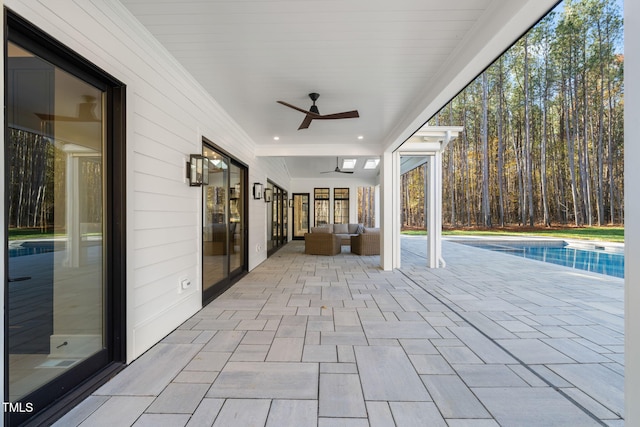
x: 31, y: 234
x: 608, y: 234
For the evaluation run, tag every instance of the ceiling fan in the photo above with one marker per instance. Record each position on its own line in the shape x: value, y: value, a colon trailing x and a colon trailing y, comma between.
x: 314, y: 114
x: 86, y: 112
x: 337, y: 169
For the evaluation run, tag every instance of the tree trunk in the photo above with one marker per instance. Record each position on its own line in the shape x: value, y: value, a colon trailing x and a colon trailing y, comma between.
x: 486, y: 203
x: 527, y: 138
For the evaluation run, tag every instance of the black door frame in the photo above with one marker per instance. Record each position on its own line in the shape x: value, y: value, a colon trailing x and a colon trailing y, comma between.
x: 55, y: 398
x: 282, y: 196
x: 293, y: 215
x: 235, y: 275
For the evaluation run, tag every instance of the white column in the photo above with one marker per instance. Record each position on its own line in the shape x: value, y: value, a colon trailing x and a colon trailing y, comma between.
x: 72, y: 211
x: 632, y: 213
x: 430, y: 196
x: 438, y: 207
x: 397, y: 208
x: 376, y: 209
x: 386, y: 211
x: 433, y: 196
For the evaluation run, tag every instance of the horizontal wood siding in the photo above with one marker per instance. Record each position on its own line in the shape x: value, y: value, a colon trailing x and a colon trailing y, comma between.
x: 168, y: 113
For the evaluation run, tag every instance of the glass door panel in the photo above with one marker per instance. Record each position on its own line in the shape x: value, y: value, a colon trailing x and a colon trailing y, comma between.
x: 224, y: 244
x: 56, y: 221
x: 285, y: 217
x: 237, y: 214
x: 215, y: 240
x: 272, y: 217
x: 300, y: 215
x: 276, y: 217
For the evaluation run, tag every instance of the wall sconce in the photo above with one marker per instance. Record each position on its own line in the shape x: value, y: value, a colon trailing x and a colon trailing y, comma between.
x: 267, y: 195
x: 257, y: 190
x: 290, y: 203
x: 198, y: 170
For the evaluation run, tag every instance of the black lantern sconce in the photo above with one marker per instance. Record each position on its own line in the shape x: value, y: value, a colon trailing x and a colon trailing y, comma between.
x: 267, y: 195
x: 198, y: 170
x: 257, y: 190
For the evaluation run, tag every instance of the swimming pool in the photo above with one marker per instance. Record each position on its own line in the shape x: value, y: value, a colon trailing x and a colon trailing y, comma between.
x: 20, y: 251
x: 33, y: 247
x: 594, y: 258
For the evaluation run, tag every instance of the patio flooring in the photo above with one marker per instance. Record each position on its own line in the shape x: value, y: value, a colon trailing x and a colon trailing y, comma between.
x: 303, y: 340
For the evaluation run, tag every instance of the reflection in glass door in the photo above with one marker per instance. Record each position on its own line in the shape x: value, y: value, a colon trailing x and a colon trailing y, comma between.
x: 215, y: 221
x: 61, y: 279
x: 55, y: 223
x: 224, y: 253
x: 236, y: 218
x: 300, y: 215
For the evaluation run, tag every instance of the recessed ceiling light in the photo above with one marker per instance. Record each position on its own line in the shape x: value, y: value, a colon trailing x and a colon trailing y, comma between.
x: 360, y: 137
x: 348, y: 163
x: 371, y: 163
x: 276, y: 138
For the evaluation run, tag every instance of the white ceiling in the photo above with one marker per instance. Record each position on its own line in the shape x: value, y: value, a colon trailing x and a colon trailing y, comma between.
x: 395, y: 61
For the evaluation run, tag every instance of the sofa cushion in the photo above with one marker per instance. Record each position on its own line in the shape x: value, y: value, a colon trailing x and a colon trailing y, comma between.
x: 371, y: 230
x: 353, y: 229
x: 323, y: 229
x: 341, y: 228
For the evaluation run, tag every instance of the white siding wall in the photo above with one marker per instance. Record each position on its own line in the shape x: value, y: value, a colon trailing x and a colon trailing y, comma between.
x: 167, y: 115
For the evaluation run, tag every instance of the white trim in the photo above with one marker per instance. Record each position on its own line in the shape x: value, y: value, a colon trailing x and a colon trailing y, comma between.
x: 632, y: 214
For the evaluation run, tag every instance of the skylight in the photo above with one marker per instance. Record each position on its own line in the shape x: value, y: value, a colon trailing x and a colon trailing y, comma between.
x: 371, y: 163
x: 348, y: 163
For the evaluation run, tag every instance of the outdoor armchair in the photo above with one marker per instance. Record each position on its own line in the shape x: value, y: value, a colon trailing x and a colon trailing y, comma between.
x: 366, y: 244
x: 322, y: 244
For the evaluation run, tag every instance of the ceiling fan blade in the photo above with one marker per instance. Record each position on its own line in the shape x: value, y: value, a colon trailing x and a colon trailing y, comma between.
x: 337, y: 171
x: 308, y: 113
x: 313, y: 113
x: 346, y: 115
x: 306, y: 122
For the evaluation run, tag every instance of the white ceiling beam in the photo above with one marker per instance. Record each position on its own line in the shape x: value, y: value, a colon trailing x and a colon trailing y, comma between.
x: 417, y: 146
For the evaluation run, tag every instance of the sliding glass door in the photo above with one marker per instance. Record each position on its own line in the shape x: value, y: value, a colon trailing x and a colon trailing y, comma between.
x: 224, y: 216
x: 277, y: 217
x: 64, y: 286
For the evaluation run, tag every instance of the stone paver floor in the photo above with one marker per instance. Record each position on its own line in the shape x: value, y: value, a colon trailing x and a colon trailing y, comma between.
x: 490, y: 340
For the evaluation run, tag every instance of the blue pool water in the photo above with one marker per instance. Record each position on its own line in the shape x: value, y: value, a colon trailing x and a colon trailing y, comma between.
x: 597, y: 261
x: 32, y: 250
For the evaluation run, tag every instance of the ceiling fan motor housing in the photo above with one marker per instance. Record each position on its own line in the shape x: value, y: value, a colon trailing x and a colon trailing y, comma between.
x: 314, y: 96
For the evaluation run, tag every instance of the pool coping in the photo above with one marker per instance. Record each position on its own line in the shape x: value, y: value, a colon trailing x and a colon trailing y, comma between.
x: 593, y: 245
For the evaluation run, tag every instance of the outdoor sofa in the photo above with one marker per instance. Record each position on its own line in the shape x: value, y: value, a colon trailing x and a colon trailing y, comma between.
x: 344, y: 231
